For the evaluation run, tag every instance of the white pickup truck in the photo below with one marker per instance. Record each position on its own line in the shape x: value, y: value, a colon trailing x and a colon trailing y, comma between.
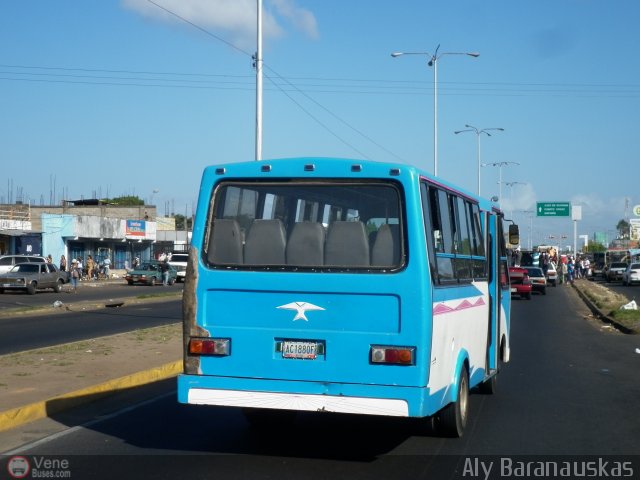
x: 179, y: 262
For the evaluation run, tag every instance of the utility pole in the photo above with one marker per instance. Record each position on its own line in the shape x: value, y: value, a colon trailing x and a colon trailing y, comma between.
x: 258, y: 64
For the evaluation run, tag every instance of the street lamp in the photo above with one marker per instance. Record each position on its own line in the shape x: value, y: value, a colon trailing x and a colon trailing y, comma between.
x: 511, y: 185
x: 433, y: 62
x: 471, y: 128
x: 530, y: 213
x: 155, y: 190
x: 499, y: 165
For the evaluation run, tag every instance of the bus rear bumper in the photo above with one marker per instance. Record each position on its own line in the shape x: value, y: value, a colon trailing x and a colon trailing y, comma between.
x: 303, y: 396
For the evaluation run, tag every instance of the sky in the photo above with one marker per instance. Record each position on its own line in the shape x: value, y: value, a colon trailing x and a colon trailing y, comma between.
x: 103, y: 98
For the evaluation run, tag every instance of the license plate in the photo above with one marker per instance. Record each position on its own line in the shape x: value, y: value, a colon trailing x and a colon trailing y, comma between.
x: 294, y: 349
x: 6, y: 284
x: 513, y: 290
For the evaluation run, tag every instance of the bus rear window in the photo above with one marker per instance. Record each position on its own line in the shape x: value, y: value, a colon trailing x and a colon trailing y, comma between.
x: 310, y: 225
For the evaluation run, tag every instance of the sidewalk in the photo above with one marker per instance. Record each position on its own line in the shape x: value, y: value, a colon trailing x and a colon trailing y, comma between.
x: 43, y: 382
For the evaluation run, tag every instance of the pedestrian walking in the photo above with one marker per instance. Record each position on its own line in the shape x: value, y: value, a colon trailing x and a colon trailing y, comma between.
x: 63, y: 263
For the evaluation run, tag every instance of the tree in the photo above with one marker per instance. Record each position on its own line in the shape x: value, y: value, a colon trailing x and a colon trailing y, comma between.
x: 596, y: 247
x: 623, y: 228
x: 126, y: 200
x: 180, y: 222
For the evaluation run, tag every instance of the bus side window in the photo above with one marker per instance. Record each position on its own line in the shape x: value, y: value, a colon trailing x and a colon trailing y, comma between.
x: 446, y: 271
x: 464, y: 263
x: 436, y: 229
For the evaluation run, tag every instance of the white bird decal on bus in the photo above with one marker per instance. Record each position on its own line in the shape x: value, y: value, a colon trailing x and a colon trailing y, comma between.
x: 301, y: 308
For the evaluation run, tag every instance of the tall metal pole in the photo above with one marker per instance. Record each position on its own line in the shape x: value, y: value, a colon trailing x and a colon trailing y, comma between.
x: 258, y: 61
x: 433, y: 62
x: 435, y: 113
x: 478, y: 132
x: 479, y: 164
x: 499, y: 165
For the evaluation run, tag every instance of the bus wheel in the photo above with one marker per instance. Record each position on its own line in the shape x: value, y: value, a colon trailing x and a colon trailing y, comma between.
x: 453, y: 418
x: 263, y: 418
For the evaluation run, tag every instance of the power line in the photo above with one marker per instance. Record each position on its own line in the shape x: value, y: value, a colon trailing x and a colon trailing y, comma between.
x: 377, y: 87
x: 251, y: 56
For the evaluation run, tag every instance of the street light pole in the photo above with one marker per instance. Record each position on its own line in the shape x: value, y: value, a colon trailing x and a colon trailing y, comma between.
x: 478, y: 132
x: 433, y: 62
x: 530, y: 213
x: 258, y: 65
x: 511, y: 185
x: 499, y: 165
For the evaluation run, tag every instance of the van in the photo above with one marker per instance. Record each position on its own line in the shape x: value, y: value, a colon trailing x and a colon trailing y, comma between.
x: 8, y: 261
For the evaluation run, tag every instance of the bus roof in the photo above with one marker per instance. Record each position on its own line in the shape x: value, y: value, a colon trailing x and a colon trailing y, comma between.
x: 328, y: 167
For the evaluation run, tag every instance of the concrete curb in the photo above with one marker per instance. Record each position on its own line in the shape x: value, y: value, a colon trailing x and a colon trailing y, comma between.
x: 45, y: 408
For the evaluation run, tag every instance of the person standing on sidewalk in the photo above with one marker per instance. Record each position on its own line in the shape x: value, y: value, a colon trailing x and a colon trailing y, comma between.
x: 74, y: 275
x: 106, y: 264
x: 164, y: 269
x: 90, y: 267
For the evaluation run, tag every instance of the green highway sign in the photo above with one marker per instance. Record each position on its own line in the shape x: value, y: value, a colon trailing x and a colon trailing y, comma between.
x: 553, y: 209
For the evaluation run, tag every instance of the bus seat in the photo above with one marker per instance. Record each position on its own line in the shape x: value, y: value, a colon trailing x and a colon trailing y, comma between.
x: 225, y: 243
x: 347, y: 245
x: 265, y: 245
x: 386, y: 248
x: 306, y: 244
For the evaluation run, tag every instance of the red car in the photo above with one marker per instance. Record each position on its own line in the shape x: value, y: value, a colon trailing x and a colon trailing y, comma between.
x: 520, y: 283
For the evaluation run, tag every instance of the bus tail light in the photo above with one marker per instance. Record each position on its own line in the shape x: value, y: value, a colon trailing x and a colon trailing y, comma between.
x: 393, y: 355
x: 209, y: 346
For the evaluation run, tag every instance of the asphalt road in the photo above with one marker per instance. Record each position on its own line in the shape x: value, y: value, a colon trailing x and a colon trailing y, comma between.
x: 571, y: 389
x: 87, y: 291
x: 25, y: 332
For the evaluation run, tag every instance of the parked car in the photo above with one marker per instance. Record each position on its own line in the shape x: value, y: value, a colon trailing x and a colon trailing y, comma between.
x: 179, y: 262
x: 8, y: 261
x: 631, y: 274
x: 31, y: 277
x: 552, y: 274
x: 519, y: 282
x: 613, y: 271
x: 148, y: 273
x: 538, y: 280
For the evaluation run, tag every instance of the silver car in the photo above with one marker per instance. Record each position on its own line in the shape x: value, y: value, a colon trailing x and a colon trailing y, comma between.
x: 631, y: 274
x: 33, y: 276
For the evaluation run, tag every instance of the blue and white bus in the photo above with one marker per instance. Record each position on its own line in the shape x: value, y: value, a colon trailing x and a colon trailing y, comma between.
x: 338, y: 285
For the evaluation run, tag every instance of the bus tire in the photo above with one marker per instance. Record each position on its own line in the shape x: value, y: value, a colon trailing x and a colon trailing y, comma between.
x: 453, y: 418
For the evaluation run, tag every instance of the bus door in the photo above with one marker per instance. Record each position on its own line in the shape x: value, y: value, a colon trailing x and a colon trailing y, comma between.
x: 498, y: 280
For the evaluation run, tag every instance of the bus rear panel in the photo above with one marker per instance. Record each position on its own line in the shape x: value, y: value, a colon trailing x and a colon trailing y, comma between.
x: 327, y: 285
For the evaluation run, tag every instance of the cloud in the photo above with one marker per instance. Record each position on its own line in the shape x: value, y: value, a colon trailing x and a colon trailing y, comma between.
x: 302, y: 19
x: 235, y: 18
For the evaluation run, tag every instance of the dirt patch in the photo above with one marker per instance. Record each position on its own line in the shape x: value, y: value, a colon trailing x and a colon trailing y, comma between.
x: 44, y: 373
x: 608, y: 303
